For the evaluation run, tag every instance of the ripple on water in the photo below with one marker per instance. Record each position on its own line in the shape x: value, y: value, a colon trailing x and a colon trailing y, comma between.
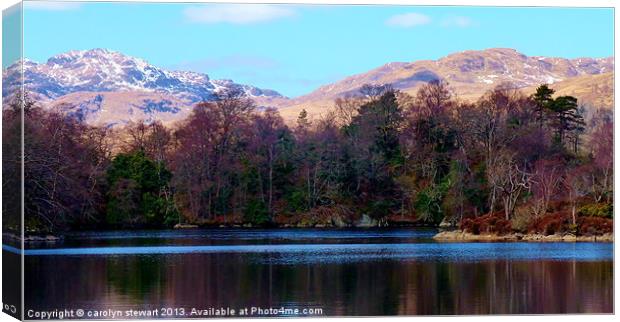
x: 326, y: 253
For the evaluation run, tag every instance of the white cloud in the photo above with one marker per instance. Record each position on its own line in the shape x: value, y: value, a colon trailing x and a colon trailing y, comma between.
x: 408, y: 20
x: 460, y: 22
x: 237, y: 13
x: 51, y: 5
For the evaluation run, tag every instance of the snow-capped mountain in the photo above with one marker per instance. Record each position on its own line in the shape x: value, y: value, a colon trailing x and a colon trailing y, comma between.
x: 104, y: 87
x: 102, y: 70
x: 92, y: 80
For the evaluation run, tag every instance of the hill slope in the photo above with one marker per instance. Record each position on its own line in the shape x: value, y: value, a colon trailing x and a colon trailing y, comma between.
x: 470, y: 74
x: 107, y: 87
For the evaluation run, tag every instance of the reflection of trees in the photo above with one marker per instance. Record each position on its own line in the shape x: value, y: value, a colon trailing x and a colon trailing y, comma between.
x: 136, y: 276
x: 372, y: 288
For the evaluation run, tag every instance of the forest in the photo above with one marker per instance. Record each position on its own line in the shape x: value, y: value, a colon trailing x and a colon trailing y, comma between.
x: 506, y: 162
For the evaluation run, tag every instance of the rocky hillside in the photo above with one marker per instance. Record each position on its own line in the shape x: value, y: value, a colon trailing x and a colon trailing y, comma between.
x: 471, y: 73
x: 108, y: 87
x: 592, y: 90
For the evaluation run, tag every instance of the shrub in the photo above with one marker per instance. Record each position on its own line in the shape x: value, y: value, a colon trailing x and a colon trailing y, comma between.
x: 561, y: 223
x: 487, y: 224
x: 256, y: 213
x: 322, y: 215
x: 521, y: 219
x: 602, y: 210
x: 379, y: 208
x: 589, y: 226
x: 551, y: 224
x: 297, y: 201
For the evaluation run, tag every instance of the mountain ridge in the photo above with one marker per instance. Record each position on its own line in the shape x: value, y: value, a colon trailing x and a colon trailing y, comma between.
x: 469, y: 73
x: 106, y: 70
x: 87, y: 79
x: 109, y: 88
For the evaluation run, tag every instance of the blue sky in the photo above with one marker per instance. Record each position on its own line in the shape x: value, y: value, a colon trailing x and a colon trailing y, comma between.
x: 294, y: 49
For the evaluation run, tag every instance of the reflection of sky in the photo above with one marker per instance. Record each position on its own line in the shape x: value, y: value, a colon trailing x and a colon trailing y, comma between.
x: 312, y: 253
x: 293, y: 48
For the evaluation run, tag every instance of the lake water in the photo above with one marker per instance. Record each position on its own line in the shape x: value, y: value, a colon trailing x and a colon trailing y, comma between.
x: 331, y: 272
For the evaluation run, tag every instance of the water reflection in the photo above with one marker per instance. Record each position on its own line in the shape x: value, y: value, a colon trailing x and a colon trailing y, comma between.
x: 382, y: 287
x: 344, y: 253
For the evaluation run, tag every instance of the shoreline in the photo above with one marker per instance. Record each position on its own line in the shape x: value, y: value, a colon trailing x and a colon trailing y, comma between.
x: 441, y: 236
x: 9, y: 237
x: 457, y: 235
x: 51, y: 238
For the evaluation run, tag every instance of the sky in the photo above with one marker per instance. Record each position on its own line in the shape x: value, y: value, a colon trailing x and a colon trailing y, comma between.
x: 296, y: 48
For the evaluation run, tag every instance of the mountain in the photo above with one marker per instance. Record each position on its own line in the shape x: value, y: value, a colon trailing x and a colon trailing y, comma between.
x: 107, y: 88
x: 104, y: 87
x: 592, y: 90
x: 470, y: 74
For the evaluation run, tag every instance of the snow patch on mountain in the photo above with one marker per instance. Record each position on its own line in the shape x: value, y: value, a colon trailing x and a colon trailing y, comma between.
x: 103, y: 70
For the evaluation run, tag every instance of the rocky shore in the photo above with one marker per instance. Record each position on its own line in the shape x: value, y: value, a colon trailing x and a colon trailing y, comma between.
x: 335, y: 221
x: 31, y: 239
x: 458, y: 235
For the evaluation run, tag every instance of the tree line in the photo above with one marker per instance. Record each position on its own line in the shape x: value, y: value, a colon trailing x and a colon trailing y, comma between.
x: 393, y: 157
